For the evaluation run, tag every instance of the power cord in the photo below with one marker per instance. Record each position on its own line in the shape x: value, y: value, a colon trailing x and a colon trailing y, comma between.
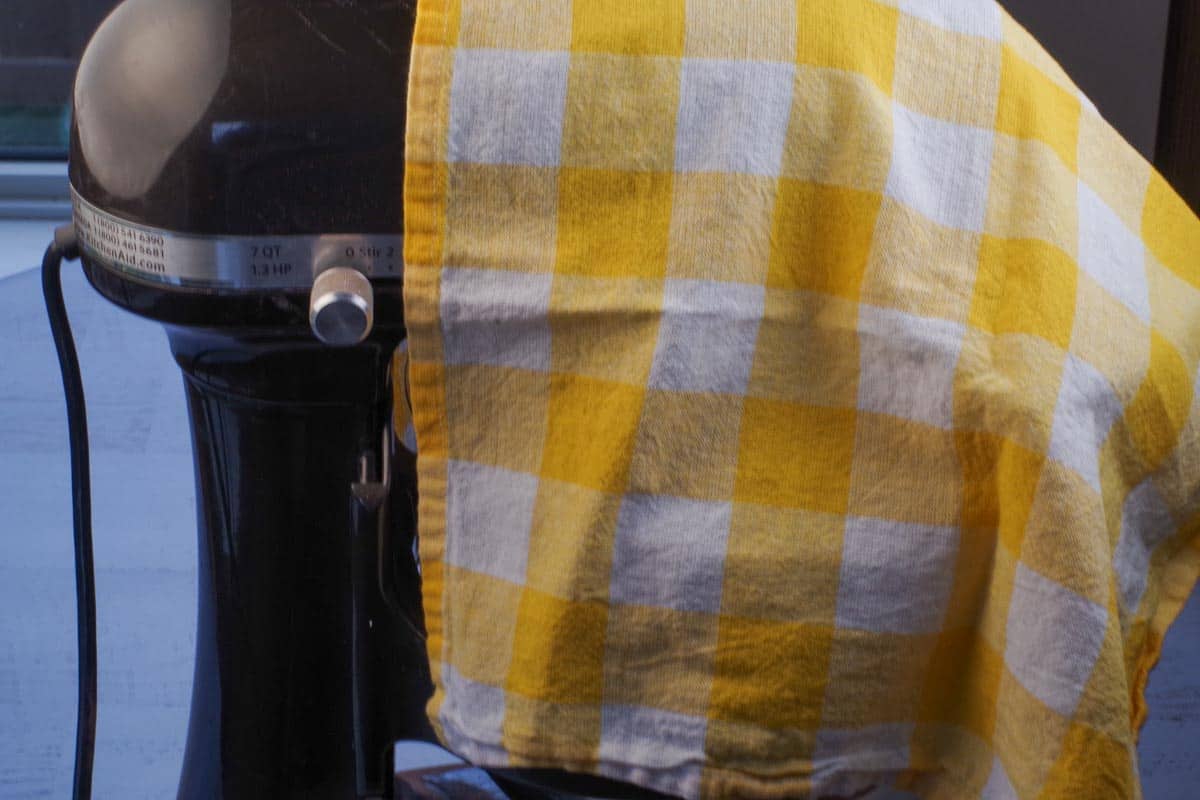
x: 66, y: 247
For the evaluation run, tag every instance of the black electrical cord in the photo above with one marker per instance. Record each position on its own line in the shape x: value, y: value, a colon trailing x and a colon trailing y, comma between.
x: 66, y: 247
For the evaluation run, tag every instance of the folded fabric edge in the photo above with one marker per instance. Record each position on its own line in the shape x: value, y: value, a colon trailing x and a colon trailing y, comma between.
x: 1179, y: 579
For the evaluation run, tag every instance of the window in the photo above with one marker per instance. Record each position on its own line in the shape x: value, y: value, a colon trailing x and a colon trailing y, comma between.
x: 40, y: 43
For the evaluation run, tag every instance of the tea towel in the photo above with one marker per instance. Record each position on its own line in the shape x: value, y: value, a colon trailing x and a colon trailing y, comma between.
x: 805, y: 398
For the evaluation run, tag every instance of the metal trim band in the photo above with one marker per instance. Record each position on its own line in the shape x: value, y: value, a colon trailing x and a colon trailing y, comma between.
x: 229, y: 262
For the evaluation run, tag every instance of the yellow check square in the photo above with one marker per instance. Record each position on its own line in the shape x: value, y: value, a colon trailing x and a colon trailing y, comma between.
x: 1083, y: 747
x: 951, y: 76
x: 1032, y: 195
x: 514, y: 440
x: 613, y: 224
x: 1030, y: 732
x: 961, y: 683
x: 821, y: 238
x: 558, y: 650
x: 1032, y: 106
x: 846, y: 108
x: 1000, y: 479
x: 1025, y: 286
x: 649, y: 27
x: 591, y: 432
x: 721, y: 227
x: 659, y: 657
x: 537, y: 731
x: 749, y: 29
x: 571, y: 541
x: 637, y: 97
x: 930, y: 742
x: 1173, y: 304
x: 759, y: 749
x: 1109, y: 676
x: 697, y: 429
x: 942, y: 287
x: 1008, y: 385
x: 795, y: 456
x: 984, y: 585
x: 810, y: 334
x: 585, y: 340
x: 524, y: 25
x: 1117, y: 173
x: 856, y: 697
x: 501, y: 217
x: 1053, y: 526
x: 905, y: 471
x: 851, y: 35
x: 791, y: 662
x: 767, y: 548
x: 486, y: 639
x: 1171, y: 231
x: 1109, y: 337
x: 1160, y: 409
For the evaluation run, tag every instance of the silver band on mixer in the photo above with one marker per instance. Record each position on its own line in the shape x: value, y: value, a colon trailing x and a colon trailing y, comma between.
x: 229, y: 262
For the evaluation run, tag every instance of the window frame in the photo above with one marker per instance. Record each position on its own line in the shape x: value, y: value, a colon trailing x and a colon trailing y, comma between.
x: 33, y: 180
x: 34, y: 190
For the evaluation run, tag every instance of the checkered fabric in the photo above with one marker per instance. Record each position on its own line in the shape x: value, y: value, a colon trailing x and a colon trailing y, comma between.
x: 805, y: 398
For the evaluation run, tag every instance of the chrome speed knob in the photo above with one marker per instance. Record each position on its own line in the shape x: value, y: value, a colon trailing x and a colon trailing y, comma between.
x: 342, y: 307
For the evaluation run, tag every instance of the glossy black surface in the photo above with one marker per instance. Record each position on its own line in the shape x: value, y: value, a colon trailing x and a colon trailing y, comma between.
x: 246, y: 117
x: 309, y: 657
x: 274, y: 311
x: 252, y: 117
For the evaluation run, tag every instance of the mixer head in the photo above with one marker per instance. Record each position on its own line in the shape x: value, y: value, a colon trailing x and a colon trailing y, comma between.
x: 240, y: 162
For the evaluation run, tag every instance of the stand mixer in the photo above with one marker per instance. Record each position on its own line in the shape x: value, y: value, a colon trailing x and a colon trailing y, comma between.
x: 236, y: 170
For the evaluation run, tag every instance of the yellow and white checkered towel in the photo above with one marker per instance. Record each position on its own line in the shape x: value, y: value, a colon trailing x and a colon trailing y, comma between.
x: 805, y: 393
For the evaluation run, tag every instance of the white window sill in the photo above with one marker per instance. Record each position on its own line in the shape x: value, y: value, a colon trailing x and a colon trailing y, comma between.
x: 34, y: 198
x: 22, y: 243
x: 34, y: 190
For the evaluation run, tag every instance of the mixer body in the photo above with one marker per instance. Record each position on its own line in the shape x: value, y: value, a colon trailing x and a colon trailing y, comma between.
x: 228, y: 156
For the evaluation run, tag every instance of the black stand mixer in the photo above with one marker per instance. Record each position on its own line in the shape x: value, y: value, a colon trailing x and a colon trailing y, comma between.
x: 236, y: 167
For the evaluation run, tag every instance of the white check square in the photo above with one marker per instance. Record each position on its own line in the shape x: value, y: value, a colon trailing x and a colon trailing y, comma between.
x: 1053, y: 639
x: 489, y: 513
x: 1112, y: 254
x: 506, y: 107
x: 496, y: 317
x: 852, y: 762
x: 940, y: 169
x: 896, y: 576
x: 471, y: 706
x: 974, y: 17
x: 678, y: 738
x: 670, y: 552
x: 1145, y: 523
x: 733, y: 116
x: 1087, y: 408
x: 998, y: 786
x: 908, y: 365
x: 707, y: 335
